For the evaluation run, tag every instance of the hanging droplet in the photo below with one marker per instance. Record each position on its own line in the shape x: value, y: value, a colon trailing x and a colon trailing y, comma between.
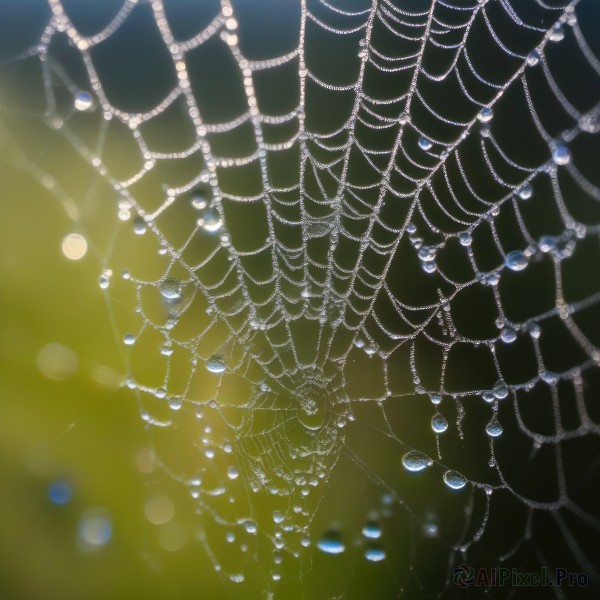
x: 374, y: 554
x: 465, y: 239
x: 216, y: 364
x: 331, y: 543
x: 454, y: 480
x: 508, y: 335
x: 557, y: 34
x: 525, y: 192
x: 415, y: 461
x: 533, y: 58
x: 425, y: 144
x: 500, y: 390
x: 129, y: 339
x: 139, y: 226
x: 547, y: 243
x: 170, y: 290
x: 175, y: 403
x: 589, y: 123
x: 104, y: 279
x: 493, y: 428
x: 561, y: 155
x: 372, y: 530
x: 232, y: 473
x: 429, y: 267
x: 198, y: 201
x: 534, y: 331
x: 370, y: 349
x: 83, y: 100
x: 439, y: 424
x: 488, y: 396
x: 166, y: 349
x: 250, y: 526
x: 485, y: 115
x: 431, y: 529
x: 516, y: 260
x: 426, y: 253
x: 211, y: 220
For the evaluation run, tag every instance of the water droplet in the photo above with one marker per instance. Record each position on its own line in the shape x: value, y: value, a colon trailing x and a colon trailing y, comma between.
x: 508, y: 335
x: 166, y: 349
x: 533, y: 58
x: 211, y: 220
x: 374, y: 554
x: 60, y: 492
x: 429, y: 267
x: 488, y: 396
x: 439, y: 424
x: 426, y: 253
x: 589, y: 123
x: 232, y: 473
x: 83, y: 100
x: 370, y: 349
x: 547, y: 243
x: 199, y: 202
x: 493, y: 428
x: 160, y: 393
x: 170, y: 290
x: 372, y: 530
x: 175, y: 403
x: 516, y: 260
x: 500, y: 390
x: 139, y: 226
x: 436, y: 399
x: 561, y: 155
x: 216, y: 364
x: 331, y: 543
x: 250, y: 526
x: 359, y: 342
x: 525, y: 192
x: 104, y: 279
x: 416, y: 461
x: 557, y: 34
x: 129, y: 339
x: 465, y: 239
x: 485, y: 115
x: 535, y: 330
x: 454, y: 480
x: 431, y: 529
x: 425, y: 144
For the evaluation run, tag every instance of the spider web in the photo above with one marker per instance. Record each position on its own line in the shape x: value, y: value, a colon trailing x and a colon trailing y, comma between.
x: 361, y: 242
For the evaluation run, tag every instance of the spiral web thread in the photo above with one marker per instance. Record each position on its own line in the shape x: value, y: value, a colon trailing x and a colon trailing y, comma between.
x: 368, y: 242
